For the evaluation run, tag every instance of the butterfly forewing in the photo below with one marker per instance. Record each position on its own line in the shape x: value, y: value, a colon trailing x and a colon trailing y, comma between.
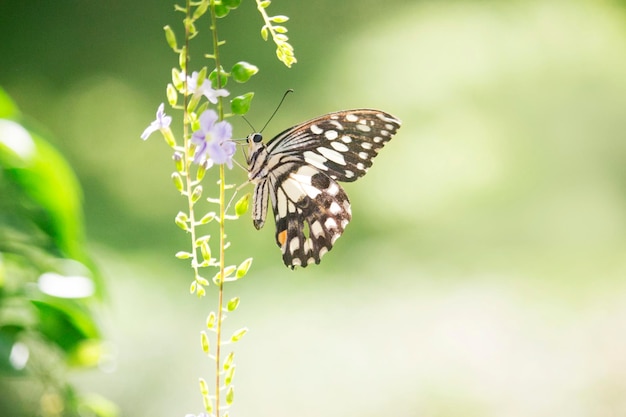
x: 342, y: 144
x: 298, y: 169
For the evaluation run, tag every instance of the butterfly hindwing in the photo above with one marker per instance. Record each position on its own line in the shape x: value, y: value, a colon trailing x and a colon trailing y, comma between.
x: 298, y: 170
x: 311, y: 212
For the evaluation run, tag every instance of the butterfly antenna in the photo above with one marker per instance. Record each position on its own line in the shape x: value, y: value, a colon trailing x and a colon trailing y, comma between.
x: 249, y: 124
x: 276, y: 110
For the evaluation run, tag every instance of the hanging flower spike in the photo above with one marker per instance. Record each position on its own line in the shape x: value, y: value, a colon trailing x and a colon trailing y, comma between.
x: 212, y: 140
x: 205, y: 89
x: 162, y: 122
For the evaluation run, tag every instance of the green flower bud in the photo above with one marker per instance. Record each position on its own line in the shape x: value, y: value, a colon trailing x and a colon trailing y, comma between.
x: 204, y: 339
x: 204, y: 387
x: 232, y: 304
x: 213, y: 78
x: 231, y: 4
x: 178, y: 181
x: 170, y: 37
x: 241, y: 104
x: 196, y: 194
x: 242, y: 71
x: 201, y: 9
x: 172, y: 95
x: 230, y: 395
x: 228, y: 361
x: 210, y: 320
x: 178, y: 161
x: 238, y: 334
x: 242, y: 270
x: 182, y: 58
x: 230, y: 374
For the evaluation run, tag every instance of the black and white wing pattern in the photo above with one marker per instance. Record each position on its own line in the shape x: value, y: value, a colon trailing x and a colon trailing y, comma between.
x: 298, y: 172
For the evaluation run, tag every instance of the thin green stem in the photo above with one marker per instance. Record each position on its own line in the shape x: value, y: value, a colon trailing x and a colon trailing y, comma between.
x: 220, y: 301
x: 188, y: 157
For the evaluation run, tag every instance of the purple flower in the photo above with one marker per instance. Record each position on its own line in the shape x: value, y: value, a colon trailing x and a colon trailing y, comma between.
x: 205, y: 89
x: 162, y: 121
x: 212, y: 140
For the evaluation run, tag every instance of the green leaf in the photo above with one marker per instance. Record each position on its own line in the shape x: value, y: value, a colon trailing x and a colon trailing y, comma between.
x: 242, y: 71
x: 264, y: 33
x: 241, y: 104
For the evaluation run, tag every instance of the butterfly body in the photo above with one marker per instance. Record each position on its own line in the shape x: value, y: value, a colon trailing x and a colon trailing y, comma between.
x: 297, y: 171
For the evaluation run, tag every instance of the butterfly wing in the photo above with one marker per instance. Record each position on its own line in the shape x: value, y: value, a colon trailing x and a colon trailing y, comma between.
x: 311, y: 212
x: 298, y: 170
x: 341, y: 144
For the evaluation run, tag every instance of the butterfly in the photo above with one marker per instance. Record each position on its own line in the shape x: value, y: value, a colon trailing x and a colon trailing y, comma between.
x: 298, y: 171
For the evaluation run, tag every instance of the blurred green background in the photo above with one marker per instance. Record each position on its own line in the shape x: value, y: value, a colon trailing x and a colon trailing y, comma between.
x: 483, y: 272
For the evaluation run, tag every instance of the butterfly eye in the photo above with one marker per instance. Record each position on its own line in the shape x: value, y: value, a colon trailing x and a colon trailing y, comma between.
x: 256, y: 137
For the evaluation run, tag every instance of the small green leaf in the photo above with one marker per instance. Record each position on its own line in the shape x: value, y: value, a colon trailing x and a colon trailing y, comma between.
x: 242, y: 270
x: 265, y: 4
x: 202, y: 281
x: 200, y: 292
x: 242, y: 205
x: 242, y: 71
x: 238, y: 334
x: 241, y: 104
x: 232, y: 304
x: 264, y: 33
x: 183, y: 255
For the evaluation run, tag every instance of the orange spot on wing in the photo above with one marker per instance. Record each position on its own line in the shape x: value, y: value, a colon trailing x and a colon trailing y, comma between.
x: 282, y: 236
